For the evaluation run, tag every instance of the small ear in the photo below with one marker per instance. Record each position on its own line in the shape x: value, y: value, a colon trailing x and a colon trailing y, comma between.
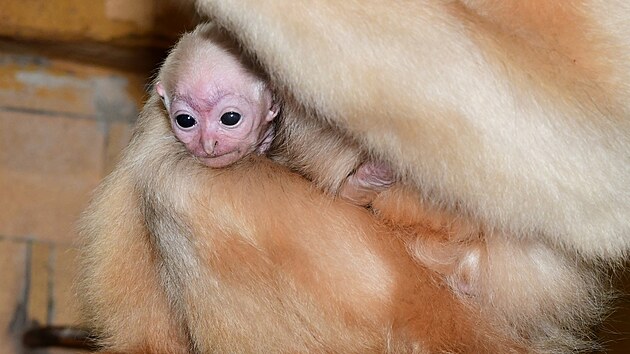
x: 273, y: 112
x: 160, y: 91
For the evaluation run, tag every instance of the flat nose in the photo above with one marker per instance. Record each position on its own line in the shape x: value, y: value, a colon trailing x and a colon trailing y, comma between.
x: 210, y: 145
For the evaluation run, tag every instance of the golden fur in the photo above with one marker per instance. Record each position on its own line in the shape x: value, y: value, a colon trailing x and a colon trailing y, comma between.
x: 251, y: 258
x: 163, y: 232
x: 515, y: 113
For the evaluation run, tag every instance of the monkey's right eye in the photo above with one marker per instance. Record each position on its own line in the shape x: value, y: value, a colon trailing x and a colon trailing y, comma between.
x: 185, y: 121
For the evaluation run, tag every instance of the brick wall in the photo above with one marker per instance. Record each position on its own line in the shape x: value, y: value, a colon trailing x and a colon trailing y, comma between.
x: 73, y: 75
x: 62, y: 126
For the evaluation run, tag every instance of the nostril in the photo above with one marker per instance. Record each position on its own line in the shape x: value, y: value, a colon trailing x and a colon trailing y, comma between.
x: 209, y: 146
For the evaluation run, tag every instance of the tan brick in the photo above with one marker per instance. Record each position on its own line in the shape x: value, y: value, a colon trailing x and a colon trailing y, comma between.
x: 30, y: 83
x: 140, y: 12
x: 50, y: 165
x: 34, y: 84
x: 12, y: 275
x: 99, y: 20
x: 61, y: 19
x: 39, y: 287
x: 66, y: 310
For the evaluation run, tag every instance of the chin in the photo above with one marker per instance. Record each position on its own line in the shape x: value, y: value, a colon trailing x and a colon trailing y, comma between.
x: 220, y: 161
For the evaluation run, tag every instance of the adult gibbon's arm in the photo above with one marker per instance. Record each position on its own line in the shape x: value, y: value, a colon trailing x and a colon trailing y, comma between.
x: 516, y: 112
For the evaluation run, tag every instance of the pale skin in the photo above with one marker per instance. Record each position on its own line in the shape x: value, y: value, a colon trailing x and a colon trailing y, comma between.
x: 252, y: 258
x: 222, y: 118
x: 529, y: 284
x: 227, y: 113
x: 527, y: 98
x: 366, y: 182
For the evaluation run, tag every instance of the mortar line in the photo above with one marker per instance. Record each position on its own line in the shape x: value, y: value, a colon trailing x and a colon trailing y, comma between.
x: 11, y: 109
x: 19, y: 319
x: 50, y: 303
x: 30, y: 238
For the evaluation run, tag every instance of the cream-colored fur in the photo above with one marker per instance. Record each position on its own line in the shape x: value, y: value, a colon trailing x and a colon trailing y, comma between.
x: 524, y: 287
x: 509, y: 115
x: 516, y: 113
x: 181, y: 258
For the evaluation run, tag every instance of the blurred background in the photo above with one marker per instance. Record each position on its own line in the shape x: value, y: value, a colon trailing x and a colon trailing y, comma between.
x: 73, y: 76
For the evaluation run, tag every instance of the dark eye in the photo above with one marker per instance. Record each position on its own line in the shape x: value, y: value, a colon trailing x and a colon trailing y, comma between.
x: 185, y: 121
x: 230, y: 118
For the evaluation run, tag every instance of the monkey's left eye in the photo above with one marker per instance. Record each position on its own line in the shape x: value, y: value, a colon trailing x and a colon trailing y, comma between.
x: 185, y: 121
x: 230, y: 118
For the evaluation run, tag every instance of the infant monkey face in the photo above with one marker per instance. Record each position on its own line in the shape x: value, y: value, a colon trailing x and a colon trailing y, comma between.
x: 218, y: 133
x: 220, y: 125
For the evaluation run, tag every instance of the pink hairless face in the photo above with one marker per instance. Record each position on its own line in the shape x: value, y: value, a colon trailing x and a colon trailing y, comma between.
x: 220, y: 118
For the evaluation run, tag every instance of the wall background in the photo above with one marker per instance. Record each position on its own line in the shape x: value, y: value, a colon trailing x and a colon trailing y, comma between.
x: 73, y: 75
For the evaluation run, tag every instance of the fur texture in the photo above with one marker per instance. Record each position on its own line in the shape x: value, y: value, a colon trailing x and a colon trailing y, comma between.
x: 251, y: 258
x: 527, y: 288
x: 514, y: 113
